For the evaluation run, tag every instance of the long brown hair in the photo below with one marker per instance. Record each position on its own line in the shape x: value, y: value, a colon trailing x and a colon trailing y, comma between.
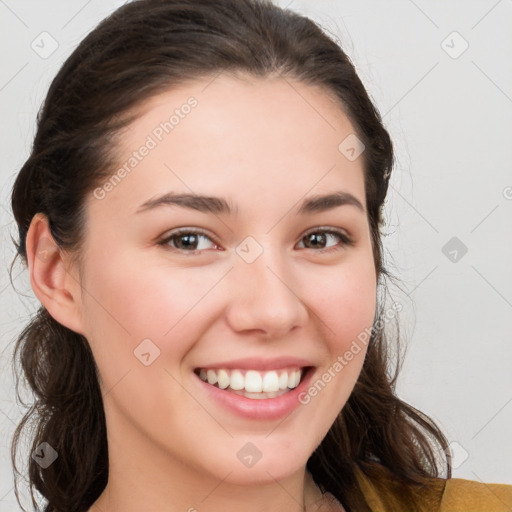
x: 143, y: 48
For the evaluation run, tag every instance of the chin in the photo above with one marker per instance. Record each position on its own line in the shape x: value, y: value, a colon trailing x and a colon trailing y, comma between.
x: 258, y: 460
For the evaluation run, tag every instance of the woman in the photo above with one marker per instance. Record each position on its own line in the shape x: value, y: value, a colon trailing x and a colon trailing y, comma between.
x: 200, y: 217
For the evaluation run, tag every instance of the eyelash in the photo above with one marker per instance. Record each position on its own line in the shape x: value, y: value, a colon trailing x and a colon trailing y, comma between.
x: 346, y: 240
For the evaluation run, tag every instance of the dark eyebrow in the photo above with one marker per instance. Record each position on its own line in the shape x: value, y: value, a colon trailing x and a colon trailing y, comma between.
x: 323, y: 203
x: 216, y: 205
x: 219, y: 205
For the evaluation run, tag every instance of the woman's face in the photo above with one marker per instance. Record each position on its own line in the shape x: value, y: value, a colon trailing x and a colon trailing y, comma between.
x: 257, y: 287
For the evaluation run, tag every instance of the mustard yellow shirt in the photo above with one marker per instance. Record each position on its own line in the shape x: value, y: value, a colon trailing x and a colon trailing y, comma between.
x: 438, y: 495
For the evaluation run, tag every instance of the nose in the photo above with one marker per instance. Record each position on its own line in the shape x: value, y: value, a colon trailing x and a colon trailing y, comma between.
x: 265, y: 296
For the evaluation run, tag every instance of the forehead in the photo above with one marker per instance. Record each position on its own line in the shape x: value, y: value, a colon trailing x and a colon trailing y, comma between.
x: 269, y: 140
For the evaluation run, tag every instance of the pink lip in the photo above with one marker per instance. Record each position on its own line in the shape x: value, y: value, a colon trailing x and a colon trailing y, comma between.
x: 264, y: 409
x: 259, y: 364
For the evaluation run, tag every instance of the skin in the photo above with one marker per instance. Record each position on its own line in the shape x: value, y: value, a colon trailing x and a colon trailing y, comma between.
x: 264, y: 145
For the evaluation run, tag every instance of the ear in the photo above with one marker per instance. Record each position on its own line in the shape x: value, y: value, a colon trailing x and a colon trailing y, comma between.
x: 53, y: 280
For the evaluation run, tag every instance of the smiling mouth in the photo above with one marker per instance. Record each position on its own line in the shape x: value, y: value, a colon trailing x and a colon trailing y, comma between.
x: 253, y: 384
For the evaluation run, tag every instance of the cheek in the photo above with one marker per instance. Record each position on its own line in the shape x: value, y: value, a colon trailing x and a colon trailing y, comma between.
x: 346, y: 305
x: 345, y: 301
x: 127, y: 302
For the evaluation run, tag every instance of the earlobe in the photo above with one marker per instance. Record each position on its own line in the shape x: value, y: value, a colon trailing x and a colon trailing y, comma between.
x: 55, y: 286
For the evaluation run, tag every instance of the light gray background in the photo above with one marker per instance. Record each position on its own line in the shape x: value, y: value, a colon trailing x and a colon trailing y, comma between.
x: 450, y: 117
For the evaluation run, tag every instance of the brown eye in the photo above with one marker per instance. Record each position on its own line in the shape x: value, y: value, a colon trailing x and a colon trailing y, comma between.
x: 319, y: 239
x: 187, y: 241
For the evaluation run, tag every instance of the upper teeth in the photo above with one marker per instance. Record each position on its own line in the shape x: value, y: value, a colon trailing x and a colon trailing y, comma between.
x: 252, y: 380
